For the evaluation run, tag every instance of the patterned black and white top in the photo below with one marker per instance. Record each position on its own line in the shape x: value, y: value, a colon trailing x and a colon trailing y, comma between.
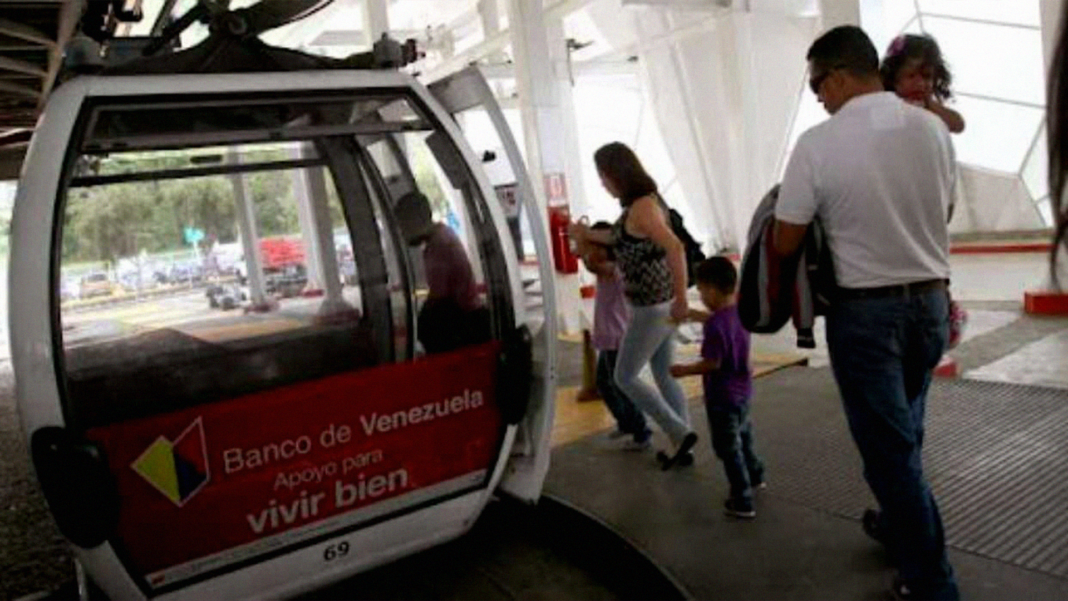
x: 647, y: 276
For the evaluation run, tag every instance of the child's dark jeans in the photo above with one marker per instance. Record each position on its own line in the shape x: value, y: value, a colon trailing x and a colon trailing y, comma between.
x: 628, y: 417
x: 732, y: 440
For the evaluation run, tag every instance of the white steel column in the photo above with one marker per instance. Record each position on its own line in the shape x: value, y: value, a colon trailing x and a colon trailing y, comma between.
x: 573, y: 158
x: 549, y: 136
x: 375, y: 19
x: 491, y: 18
x: 840, y: 12
x: 324, y: 234
x: 490, y: 15
x: 306, y: 219
x: 246, y: 222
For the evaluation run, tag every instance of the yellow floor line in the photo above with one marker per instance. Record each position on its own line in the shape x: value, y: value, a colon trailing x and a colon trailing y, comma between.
x: 575, y: 419
x: 576, y: 338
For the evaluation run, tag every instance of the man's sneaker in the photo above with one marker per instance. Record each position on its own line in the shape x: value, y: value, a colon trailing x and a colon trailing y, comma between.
x: 899, y: 590
x: 617, y: 434
x: 739, y: 509
x: 870, y: 523
x: 903, y: 592
x: 760, y: 484
x: 637, y: 445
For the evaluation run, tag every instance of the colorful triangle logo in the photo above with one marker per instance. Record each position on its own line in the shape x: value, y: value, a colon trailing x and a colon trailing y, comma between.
x: 179, y: 468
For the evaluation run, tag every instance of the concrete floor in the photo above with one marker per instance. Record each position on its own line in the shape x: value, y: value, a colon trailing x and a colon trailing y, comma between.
x: 1000, y: 343
x: 806, y: 542
x: 1040, y: 363
x: 1013, y: 274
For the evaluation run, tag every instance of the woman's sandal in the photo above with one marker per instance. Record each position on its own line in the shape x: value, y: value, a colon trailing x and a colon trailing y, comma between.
x: 688, y: 442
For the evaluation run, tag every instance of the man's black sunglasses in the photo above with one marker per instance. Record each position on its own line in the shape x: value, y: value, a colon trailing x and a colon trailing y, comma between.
x: 818, y: 80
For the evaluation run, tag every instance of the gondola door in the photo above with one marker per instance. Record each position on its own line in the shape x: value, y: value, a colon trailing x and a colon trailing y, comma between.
x: 468, y: 98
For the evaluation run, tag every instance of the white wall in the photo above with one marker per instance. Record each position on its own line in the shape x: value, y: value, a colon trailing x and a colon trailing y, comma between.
x: 723, y: 88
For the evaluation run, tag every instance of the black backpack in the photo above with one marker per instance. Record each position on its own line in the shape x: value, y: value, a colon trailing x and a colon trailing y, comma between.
x: 694, y: 255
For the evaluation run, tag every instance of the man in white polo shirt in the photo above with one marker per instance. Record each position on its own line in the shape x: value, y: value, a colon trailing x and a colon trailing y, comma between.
x: 879, y: 174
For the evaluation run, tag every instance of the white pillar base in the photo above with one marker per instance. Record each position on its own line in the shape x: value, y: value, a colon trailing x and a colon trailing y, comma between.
x: 336, y: 310
x: 568, y: 304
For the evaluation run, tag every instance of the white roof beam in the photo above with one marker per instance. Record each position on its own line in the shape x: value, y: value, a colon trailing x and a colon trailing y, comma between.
x: 686, y: 4
x: 356, y: 37
x: 593, y: 68
x: 563, y: 8
x: 493, y: 43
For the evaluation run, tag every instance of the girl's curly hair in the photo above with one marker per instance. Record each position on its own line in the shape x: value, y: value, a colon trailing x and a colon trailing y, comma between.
x: 909, y: 46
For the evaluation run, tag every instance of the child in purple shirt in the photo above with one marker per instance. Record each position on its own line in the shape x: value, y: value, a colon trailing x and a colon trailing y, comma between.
x: 610, y: 316
x: 728, y: 382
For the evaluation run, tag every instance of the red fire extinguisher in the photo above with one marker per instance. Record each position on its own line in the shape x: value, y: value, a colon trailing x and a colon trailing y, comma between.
x: 564, y: 260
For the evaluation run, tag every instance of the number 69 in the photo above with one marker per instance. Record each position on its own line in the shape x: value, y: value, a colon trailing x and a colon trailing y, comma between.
x: 333, y: 552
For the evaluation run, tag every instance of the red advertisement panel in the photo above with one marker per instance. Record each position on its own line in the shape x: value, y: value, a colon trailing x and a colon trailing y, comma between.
x: 219, y: 483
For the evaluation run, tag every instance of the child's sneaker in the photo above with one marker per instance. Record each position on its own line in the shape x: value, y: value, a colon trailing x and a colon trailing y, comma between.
x: 870, y: 523
x: 739, y: 508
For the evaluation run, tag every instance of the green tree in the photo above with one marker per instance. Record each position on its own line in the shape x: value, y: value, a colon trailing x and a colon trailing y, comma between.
x: 276, y: 207
x: 101, y: 219
x: 205, y: 203
x: 108, y: 222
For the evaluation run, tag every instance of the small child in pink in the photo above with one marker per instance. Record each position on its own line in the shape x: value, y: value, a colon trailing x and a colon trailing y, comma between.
x: 610, y: 317
x: 915, y: 70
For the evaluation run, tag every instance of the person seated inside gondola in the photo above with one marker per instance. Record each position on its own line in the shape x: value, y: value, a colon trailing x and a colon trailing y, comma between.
x: 452, y: 315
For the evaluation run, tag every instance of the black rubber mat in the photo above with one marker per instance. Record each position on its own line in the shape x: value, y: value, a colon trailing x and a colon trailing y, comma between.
x: 515, y: 552
x: 996, y: 456
x: 551, y: 551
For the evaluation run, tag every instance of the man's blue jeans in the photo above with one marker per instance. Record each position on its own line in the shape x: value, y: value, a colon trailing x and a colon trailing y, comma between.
x: 883, y: 352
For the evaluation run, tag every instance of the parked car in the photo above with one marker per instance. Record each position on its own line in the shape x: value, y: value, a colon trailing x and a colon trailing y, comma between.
x: 132, y: 280
x: 286, y: 281
x: 95, y: 284
x: 227, y: 256
x: 186, y: 273
x: 226, y: 296
x: 160, y: 277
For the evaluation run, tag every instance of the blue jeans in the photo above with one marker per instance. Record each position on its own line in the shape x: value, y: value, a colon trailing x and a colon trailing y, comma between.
x: 649, y: 341
x: 732, y: 440
x: 628, y: 418
x: 883, y: 352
